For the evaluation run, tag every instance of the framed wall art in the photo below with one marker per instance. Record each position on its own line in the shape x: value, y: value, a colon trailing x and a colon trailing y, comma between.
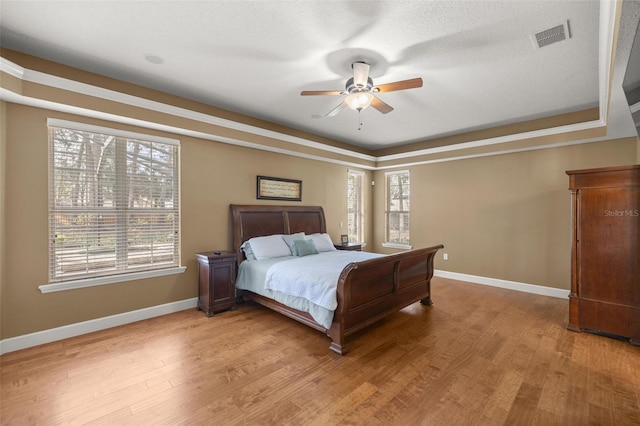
x: 272, y: 188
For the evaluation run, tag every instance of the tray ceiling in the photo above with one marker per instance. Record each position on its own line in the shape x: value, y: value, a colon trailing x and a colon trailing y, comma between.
x: 479, y: 61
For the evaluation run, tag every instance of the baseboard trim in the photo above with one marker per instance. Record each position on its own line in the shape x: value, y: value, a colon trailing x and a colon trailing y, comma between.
x: 511, y: 285
x: 47, y: 336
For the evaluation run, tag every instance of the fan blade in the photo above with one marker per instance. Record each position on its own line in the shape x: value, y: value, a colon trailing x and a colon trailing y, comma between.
x: 336, y: 110
x: 381, y: 106
x: 398, y: 85
x: 360, y: 74
x: 321, y: 92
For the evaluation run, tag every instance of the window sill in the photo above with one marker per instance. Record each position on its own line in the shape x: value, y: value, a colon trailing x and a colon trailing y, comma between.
x: 92, y: 282
x: 397, y: 246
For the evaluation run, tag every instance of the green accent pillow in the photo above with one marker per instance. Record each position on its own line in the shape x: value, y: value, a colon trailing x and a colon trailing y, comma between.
x: 305, y: 247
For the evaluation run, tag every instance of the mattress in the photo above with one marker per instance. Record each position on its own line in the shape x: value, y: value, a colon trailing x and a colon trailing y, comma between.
x: 252, y: 276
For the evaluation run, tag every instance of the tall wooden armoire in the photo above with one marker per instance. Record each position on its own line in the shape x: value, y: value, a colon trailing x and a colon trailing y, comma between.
x: 605, y: 261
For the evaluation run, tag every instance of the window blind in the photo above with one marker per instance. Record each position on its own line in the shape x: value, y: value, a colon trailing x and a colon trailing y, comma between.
x: 355, y: 181
x: 113, y: 202
x: 397, y: 207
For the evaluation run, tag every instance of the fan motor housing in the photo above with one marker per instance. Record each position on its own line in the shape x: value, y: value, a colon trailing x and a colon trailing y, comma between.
x: 351, y: 87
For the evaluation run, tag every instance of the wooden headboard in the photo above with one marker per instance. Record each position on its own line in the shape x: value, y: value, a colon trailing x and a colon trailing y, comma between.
x: 256, y: 221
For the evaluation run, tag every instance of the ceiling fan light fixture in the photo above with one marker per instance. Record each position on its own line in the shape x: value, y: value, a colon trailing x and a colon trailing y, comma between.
x: 359, y: 100
x: 359, y: 91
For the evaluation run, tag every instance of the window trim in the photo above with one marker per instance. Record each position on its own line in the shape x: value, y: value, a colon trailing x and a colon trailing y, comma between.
x: 110, y: 279
x: 388, y: 244
x: 56, y: 122
x: 397, y: 246
x: 71, y: 284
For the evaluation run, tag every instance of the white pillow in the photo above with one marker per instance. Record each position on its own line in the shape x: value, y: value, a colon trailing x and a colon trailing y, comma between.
x: 323, y: 242
x: 269, y: 246
x: 248, y: 253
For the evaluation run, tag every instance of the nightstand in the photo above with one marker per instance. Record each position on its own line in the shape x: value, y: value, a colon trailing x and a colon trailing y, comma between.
x: 216, y: 281
x: 349, y: 246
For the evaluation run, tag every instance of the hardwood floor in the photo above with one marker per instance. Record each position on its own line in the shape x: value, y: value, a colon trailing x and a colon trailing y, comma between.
x: 479, y: 355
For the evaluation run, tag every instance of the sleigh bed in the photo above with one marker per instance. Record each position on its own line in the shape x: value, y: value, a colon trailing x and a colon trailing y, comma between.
x: 367, y: 290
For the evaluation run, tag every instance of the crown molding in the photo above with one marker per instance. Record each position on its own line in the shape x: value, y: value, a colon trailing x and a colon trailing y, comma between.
x: 111, y: 95
x: 606, y: 41
x: 12, y: 97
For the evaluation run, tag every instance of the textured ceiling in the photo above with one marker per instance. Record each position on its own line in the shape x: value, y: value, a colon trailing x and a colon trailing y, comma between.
x: 477, y: 58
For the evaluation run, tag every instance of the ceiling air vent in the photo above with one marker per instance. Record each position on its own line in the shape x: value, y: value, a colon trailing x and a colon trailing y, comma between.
x: 552, y: 35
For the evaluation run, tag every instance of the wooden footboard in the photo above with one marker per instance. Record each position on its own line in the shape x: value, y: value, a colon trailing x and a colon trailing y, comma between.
x: 374, y: 288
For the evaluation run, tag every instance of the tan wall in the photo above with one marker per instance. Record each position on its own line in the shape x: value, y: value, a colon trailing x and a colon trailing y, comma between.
x: 213, y: 175
x: 505, y: 216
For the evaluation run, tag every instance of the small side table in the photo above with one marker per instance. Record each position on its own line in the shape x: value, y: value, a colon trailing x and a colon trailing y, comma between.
x: 216, y: 281
x: 349, y: 246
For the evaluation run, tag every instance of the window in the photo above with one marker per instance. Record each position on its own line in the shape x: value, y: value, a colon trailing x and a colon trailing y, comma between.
x: 397, y: 208
x: 113, y: 202
x: 354, y: 205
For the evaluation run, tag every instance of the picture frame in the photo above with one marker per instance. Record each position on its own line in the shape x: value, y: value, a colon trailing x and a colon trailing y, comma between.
x: 345, y: 239
x: 273, y: 188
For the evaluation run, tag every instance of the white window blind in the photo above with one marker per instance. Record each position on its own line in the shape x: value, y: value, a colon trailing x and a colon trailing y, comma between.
x: 355, y: 190
x: 397, y: 207
x: 113, y: 202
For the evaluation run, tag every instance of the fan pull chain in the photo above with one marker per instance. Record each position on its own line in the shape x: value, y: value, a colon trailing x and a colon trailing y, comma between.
x: 360, y: 118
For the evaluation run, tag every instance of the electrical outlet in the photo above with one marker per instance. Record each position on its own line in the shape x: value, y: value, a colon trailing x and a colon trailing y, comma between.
x: 445, y: 256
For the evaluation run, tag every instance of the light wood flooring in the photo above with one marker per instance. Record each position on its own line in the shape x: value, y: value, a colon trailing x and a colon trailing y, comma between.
x: 479, y: 355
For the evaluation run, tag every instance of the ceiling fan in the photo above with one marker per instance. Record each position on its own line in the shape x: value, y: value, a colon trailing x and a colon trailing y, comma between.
x: 360, y: 91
